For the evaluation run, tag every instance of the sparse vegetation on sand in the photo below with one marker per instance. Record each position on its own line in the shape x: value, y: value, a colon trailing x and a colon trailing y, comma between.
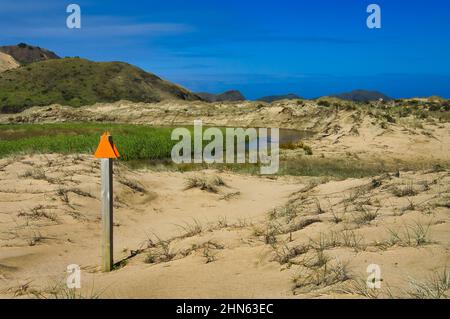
x: 309, y: 236
x: 209, y: 184
x: 413, y: 235
x: 321, y: 275
x: 436, y: 286
x: 359, y: 195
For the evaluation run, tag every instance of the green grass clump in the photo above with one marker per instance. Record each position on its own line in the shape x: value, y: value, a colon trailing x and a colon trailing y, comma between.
x: 134, y: 142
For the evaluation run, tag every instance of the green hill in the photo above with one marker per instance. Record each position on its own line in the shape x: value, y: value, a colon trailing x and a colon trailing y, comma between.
x: 362, y: 96
x: 76, y: 82
x: 273, y: 98
x: 232, y: 95
x: 24, y: 53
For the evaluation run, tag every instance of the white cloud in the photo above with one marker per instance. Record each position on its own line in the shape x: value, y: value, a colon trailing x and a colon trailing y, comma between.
x: 27, y: 6
x: 99, y: 30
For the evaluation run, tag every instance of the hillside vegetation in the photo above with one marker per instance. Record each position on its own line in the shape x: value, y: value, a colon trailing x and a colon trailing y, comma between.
x: 76, y: 82
x: 25, y: 54
x: 232, y: 95
x: 273, y: 98
x: 362, y: 96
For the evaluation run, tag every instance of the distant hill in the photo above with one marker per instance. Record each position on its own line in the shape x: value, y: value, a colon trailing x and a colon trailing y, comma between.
x: 76, y: 82
x: 362, y: 96
x: 24, y: 53
x: 7, y: 62
x: 273, y: 98
x: 232, y: 95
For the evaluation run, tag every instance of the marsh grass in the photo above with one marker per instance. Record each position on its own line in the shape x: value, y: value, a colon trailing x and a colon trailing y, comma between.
x: 133, y: 141
x: 143, y: 146
x: 297, y: 145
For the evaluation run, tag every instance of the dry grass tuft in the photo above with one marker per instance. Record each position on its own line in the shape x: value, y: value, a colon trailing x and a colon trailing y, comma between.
x: 207, y: 184
x: 303, y: 224
x: 411, y: 236
x: 365, y: 216
x: 134, y: 185
x: 39, y: 212
x: 284, y: 254
x: 437, y: 286
x: 59, y: 290
x: 321, y: 277
x: 359, y: 287
x: 162, y: 253
x: 406, y: 190
x: 191, y: 229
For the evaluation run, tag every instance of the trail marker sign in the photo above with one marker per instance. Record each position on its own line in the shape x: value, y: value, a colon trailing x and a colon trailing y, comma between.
x: 106, y: 147
x: 107, y: 151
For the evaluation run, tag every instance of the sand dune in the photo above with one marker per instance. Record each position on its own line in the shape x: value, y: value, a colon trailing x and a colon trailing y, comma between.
x: 7, y: 62
x: 358, y: 133
x: 257, y: 237
x: 51, y: 212
x: 280, y: 237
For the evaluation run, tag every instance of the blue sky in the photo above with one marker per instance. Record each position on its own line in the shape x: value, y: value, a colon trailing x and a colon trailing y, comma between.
x: 263, y: 47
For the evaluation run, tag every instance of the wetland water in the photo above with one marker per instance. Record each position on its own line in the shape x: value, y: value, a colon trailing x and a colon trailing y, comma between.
x: 286, y: 136
x: 139, y: 145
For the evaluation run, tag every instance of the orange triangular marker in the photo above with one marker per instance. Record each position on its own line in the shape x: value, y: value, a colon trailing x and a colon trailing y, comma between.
x: 116, y: 151
x: 105, y: 148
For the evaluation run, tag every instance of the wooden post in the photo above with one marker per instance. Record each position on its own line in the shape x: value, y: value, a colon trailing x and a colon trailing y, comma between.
x: 106, y: 152
x: 107, y: 214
